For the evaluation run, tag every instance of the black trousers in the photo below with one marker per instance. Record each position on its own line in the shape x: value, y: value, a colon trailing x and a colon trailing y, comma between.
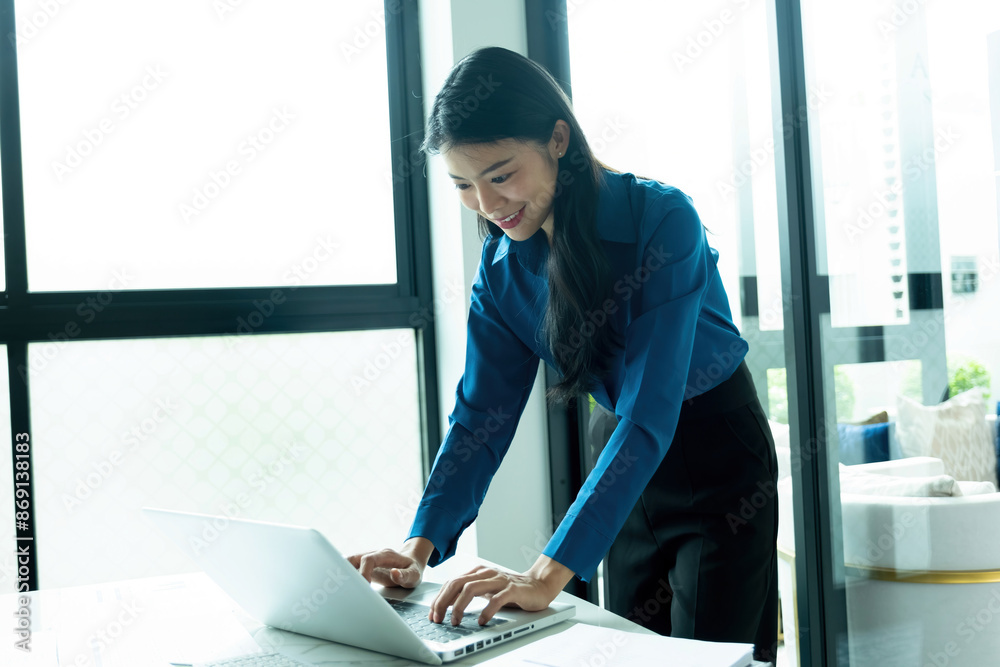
x: 696, y: 557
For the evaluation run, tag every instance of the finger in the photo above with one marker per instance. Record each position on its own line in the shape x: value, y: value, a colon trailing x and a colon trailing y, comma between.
x: 381, y: 576
x: 498, y: 600
x: 407, y: 577
x: 385, y: 577
x: 373, y: 564
x: 365, y: 567
x: 471, y: 590
x: 391, y: 558
x: 447, y: 593
x: 444, y: 597
x: 369, y: 563
x: 355, y: 560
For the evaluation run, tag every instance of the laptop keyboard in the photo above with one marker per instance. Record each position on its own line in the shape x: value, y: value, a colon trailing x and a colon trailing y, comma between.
x: 415, y: 616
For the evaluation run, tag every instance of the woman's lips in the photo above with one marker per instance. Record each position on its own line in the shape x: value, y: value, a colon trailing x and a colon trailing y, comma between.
x: 512, y: 222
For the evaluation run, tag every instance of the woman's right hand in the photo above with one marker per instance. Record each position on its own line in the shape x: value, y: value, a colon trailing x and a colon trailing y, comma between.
x: 395, y: 568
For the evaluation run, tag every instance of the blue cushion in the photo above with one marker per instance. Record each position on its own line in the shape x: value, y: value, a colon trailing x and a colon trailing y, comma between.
x: 867, y: 443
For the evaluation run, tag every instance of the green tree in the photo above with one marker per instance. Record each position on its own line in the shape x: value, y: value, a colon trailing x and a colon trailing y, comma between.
x: 966, y: 376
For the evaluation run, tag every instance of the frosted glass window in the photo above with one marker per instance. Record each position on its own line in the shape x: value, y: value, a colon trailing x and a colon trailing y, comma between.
x: 706, y: 126
x: 902, y: 153
x: 8, y: 566
x: 205, y: 144
x: 318, y: 429
x: 865, y: 167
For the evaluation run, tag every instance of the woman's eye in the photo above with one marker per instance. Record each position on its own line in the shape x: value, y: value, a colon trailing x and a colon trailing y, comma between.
x: 496, y: 180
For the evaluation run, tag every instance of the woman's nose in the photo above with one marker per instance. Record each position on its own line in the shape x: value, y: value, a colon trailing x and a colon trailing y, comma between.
x: 489, y: 202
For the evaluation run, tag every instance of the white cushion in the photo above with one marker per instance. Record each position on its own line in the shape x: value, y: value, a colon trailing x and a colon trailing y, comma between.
x: 955, y: 431
x: 915, y: 466
x: 976, y: 488
x: 871, y: 484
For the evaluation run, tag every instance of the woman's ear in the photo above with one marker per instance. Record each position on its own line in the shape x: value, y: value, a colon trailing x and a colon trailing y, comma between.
x: 559, y: 143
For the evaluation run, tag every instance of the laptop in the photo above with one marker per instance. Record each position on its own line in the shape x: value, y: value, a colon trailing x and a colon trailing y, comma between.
x: 292, y: 578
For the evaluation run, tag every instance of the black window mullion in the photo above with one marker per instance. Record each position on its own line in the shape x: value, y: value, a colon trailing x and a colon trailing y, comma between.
x: 16, y: 270
x: 821, y: 603
x: 548, y: 38
x: 400, y: 157
x: 15, y: 251
x: 412, y: 207
x: 65, y: 316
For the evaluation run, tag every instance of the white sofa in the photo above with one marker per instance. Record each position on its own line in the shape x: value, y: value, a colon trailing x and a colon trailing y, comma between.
x: 922, y: 574
x: 783, y: 446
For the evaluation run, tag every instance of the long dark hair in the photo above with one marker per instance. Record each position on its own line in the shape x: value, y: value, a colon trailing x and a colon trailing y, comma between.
x: 495, y: 94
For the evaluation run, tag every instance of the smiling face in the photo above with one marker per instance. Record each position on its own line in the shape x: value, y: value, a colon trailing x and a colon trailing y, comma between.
x: 509, y: 182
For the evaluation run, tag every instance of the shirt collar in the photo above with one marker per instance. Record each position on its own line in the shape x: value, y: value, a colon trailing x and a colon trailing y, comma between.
x: 614, y: 221
x: 530, y: 253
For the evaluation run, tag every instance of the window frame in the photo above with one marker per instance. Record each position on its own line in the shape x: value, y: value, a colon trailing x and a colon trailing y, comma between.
x: 27, y: 317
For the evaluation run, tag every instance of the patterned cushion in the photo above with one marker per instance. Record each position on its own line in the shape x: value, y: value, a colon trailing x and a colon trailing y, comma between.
x: 955, y: 431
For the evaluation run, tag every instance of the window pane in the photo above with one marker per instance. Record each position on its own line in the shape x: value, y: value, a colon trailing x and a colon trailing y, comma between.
x: 238, y: 144
x: 306, y: 429
x: 691, y: 105
x: 706, y: 126
x: 8, y: 565
x: 905, y: 171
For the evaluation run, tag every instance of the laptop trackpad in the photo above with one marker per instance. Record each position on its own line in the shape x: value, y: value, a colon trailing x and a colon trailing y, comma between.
x: 425, y: 594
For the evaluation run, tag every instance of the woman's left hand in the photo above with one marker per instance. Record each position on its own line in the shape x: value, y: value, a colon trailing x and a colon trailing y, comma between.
x: 533, y: 590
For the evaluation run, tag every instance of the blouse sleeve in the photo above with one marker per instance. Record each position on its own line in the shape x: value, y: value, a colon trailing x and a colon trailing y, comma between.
x: 659, y: 341
x: 499, y: 373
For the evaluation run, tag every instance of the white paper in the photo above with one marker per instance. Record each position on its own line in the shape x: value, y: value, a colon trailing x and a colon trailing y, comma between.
x: 591, y: 645
x: 147, y: 622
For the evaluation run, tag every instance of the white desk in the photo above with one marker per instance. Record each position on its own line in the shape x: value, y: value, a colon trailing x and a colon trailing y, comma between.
x: 147, y: 622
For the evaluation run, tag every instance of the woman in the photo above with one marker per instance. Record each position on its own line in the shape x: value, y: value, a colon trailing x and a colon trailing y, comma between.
x: 610, y: 279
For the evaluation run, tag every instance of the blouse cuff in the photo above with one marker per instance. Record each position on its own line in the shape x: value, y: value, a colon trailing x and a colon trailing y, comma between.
x: 578, y: 546
x: 440, y: 527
